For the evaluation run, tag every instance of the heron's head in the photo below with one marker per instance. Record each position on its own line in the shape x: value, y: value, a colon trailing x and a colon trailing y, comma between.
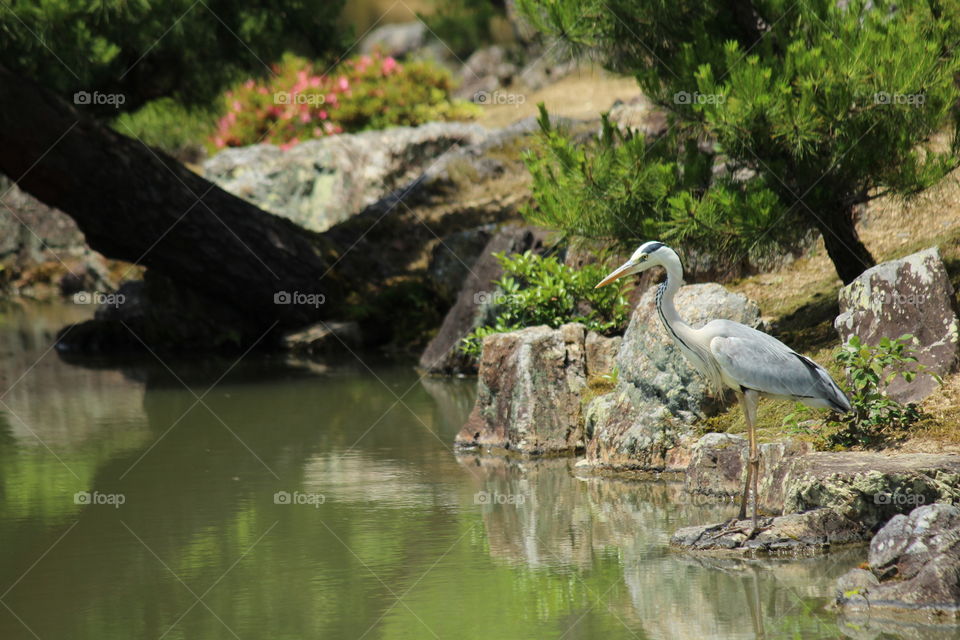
x: 650, y: 254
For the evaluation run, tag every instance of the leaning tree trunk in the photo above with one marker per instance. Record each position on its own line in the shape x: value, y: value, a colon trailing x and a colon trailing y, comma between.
x: 138, y: 205
x: 849, y: 255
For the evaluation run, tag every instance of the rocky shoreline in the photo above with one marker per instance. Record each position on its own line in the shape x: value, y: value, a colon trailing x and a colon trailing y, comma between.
x: 631, y: 405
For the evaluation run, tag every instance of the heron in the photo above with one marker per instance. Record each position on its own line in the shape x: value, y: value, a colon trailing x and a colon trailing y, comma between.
x: 732, y: 355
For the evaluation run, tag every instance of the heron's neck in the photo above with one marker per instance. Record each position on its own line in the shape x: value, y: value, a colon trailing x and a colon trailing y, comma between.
x: 672, y: 322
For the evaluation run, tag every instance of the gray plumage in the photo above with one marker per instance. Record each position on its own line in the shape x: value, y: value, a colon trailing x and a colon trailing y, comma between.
x: 733, y: 355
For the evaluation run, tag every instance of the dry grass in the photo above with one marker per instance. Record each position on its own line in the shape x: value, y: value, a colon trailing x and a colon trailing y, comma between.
x: 583, y: 94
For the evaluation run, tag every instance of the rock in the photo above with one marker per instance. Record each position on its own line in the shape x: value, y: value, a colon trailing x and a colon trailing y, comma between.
x: 658, y: 394
x: 323, y: 338
x: 30, y: 226
x: 43, y: 253
x: 913, y: 569
x: 452, y: 259
x: 528, y: 396
x: 911, y: 295
x: 717, y: 465
x: 545, y: 67
x: 639, y: 114
x: 319, y: 183
x: 816, y: 530
x: 475, y: 303
x: 485, y: 71
x: 395, y: 40
x: 867, y: 487
x: 601, y: 354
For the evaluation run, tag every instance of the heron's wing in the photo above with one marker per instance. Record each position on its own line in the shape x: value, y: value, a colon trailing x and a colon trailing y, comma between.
x: 754, y: 360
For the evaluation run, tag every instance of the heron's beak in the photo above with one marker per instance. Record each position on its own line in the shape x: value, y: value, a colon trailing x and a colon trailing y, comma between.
x: 623, y: 270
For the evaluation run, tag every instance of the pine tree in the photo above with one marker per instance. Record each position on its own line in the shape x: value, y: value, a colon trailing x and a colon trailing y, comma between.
x: 814, y: 106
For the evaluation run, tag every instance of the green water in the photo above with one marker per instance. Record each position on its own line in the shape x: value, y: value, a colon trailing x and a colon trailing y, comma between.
x: 387, y: 533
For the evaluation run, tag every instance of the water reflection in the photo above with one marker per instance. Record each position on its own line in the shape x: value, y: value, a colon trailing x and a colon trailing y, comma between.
x: 409, y: 541
x: 547, y: 517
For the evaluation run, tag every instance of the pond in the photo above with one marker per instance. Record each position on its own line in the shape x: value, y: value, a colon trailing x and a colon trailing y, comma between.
x: 272, y: 498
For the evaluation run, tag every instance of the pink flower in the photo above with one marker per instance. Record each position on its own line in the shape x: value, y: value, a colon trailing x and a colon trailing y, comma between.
x: 315, y: 81
x: 219, y: 142
x: 388, y: 65
x: 323, y: 114
x: 290, y: 144
x: 248, y: 84
x: 263, y: 91
x: 305, y: 116
x: 330, y: 98
x: 317, y: 132
x: 343, y: 83
x: 237, y: 106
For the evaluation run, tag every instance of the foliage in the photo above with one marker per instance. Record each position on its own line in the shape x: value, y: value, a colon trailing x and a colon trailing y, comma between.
x: 177, y: 129
x: 462, y: 25
x: 626, y: 189
x: 302, y: 101
x: 536, y: 290
x: 826, y: 104
x: 876, y: 417
x: 148, y: 50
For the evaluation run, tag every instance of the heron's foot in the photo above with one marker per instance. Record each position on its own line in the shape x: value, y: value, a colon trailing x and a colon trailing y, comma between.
x: 739, y: 525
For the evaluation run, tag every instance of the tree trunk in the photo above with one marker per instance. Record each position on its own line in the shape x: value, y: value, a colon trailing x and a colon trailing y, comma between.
x: 849, y: 255
x: 138, y: 205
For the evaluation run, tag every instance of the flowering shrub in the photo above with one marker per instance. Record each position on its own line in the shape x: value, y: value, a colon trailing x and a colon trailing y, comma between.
x: 365, y: 92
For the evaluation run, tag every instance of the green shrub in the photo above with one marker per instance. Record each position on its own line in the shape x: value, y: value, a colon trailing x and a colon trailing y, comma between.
x: 536, y: 290
x: 462, y: 25
x: 166, y: 124
x: 876, y: 417
x: 827, y: 105
x: 365, y: 92
x: 625, y: 189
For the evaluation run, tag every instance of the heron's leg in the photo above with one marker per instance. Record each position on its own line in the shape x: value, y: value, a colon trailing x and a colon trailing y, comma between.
x: 751, y: 398
x: 747, y: 482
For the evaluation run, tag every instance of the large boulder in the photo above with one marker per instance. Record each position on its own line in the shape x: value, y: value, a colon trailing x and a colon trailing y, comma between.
x: 911, y: 295
x: 913, y: 570
x: 658, y: 395
x: 319, y: 183
x: 475, y: 303
x: 528, y: 394
x: 484, y: 72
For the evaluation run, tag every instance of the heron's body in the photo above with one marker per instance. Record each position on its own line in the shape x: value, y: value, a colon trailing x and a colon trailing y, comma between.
x: 732, y: 355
